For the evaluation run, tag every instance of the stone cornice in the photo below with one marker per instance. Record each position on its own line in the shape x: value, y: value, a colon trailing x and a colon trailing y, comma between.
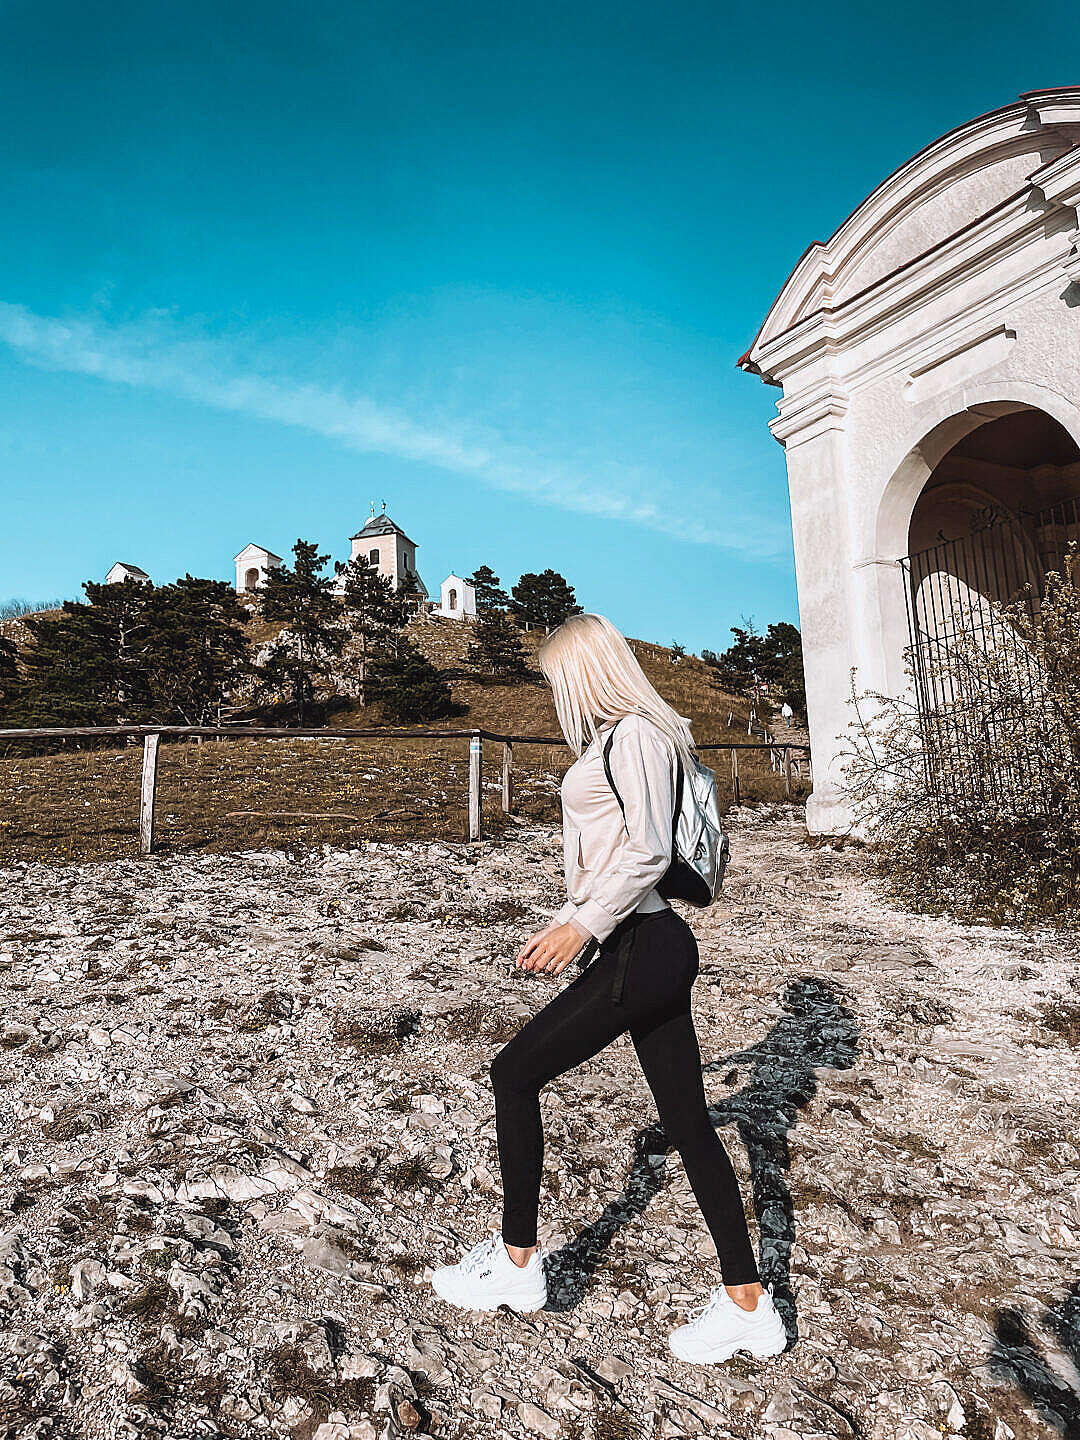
x: 1059, y: 180
x: 1020, y: 223
x: 808, y: 416
x: 807, y: 306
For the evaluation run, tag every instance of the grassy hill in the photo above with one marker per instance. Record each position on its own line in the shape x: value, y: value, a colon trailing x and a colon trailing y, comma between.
x: 82, y: 804
x: 527, y: 708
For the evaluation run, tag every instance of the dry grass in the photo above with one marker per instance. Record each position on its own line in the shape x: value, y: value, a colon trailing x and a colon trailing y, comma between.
x: 412, y: 1173
x: 1062, y: 1021
x: 358, y: 1181
x: 236, y: 794
x: 73, y: 1120
x: 608, y: 1423
x: 476, y: 1020
x: 290, y: 1374
x: 374, y: 1032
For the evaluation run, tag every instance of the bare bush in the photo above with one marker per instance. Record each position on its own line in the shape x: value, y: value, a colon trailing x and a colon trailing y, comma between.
x: 972, y: 795
x: 15, y: 609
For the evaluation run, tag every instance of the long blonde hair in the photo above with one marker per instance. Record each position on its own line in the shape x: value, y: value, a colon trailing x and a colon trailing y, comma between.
x: 595, y: 679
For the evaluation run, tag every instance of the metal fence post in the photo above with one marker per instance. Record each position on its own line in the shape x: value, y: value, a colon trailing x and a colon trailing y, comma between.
x: 735, y: 776
x: 476, y: 780
x: 508, y: 777
x: 787, y: 770
x: 147, y: 792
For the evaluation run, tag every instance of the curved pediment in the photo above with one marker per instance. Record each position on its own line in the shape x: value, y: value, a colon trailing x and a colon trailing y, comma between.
x: 936, y: 194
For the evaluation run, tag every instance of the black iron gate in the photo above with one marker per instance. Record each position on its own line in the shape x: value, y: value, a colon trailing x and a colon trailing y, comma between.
x: 988, y: 736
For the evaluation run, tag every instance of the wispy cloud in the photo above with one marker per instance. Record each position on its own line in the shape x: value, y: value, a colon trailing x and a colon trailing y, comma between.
x: 156, y: 353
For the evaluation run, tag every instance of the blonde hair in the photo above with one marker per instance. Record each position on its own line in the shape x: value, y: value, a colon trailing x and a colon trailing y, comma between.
x: 595, y: 679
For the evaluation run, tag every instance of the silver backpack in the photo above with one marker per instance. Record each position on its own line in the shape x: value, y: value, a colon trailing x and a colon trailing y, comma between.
x: 700, y: 849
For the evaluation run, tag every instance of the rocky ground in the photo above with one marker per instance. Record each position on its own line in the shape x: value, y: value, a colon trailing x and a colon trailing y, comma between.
x: 244, y: 1109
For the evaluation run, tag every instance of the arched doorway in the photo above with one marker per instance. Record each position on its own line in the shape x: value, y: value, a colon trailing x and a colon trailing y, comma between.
x: 997, y: 513
x: 251, y: 580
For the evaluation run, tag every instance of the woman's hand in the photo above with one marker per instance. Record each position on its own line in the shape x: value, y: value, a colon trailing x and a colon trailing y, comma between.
x: 549, y: 951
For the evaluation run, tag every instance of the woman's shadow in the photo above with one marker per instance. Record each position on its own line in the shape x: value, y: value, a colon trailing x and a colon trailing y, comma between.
x: 1018, y: 1355
x: 817, y: 1032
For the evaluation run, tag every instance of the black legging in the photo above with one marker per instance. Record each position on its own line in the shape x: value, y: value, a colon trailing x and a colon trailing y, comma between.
x: 658, y: 960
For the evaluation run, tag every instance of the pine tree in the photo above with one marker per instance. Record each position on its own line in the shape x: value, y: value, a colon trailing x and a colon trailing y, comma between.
x: 740, y: 667
x: 301, y: 597
x: 783, y: 664
x: 133, y: 653
x: 545, y: 599
x: 775, y: 656
x: 495, y: 646
x: 196, y: 651
x: 374, y: 612
x: 9, y: 677
x: 489, y: 592
x: 87, y: 665
x: 408, y: 685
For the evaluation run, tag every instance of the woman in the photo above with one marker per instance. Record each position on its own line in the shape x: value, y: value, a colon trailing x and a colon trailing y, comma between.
x: 639, y: 981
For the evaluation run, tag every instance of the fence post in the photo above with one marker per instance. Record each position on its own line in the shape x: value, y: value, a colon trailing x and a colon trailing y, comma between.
x: 508, y: 777
x: 476, y: 780
x: 735, y: 776
x: 787, y: 771
x: 146, y: 793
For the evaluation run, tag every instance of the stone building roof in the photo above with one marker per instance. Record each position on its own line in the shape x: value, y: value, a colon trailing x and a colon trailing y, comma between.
x: 381, y: 525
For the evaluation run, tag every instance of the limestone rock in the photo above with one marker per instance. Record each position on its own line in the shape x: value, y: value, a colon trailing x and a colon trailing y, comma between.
x: 237, y: 1137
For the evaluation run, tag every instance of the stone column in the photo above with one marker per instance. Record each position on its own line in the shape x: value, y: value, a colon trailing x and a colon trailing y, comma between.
x: 813, y: 435
x: 881, y: 611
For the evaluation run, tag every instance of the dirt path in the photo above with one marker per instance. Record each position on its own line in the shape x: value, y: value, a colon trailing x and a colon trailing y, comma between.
x: 246, y: 1105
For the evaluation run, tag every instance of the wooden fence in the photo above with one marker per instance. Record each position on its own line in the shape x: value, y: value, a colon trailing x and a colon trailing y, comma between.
x: 780, y: 755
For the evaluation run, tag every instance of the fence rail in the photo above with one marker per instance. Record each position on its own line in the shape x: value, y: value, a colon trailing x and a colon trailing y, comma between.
x: 780, y: 754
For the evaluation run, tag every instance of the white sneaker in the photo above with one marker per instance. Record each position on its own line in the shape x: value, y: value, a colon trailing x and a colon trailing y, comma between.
x: 487, y: 1278
x: 720, y: 1328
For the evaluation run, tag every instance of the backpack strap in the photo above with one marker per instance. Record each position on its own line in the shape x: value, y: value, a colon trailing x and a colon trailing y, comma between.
x: 607, y: 771
x: 615, y: 789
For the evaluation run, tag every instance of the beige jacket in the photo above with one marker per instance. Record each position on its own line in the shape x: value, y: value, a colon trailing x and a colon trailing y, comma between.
x: 611, y: 869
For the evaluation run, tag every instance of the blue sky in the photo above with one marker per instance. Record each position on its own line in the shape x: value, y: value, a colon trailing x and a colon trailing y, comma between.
x: 492, y: 263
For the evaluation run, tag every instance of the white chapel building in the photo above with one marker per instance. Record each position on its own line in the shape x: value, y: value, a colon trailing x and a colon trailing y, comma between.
x: 928, y: 361
x: 253, y: 564
x: 121, y: 571
x: 457, y: 599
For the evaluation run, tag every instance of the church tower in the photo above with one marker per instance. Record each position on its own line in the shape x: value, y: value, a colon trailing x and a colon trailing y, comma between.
x: 387, y: 547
